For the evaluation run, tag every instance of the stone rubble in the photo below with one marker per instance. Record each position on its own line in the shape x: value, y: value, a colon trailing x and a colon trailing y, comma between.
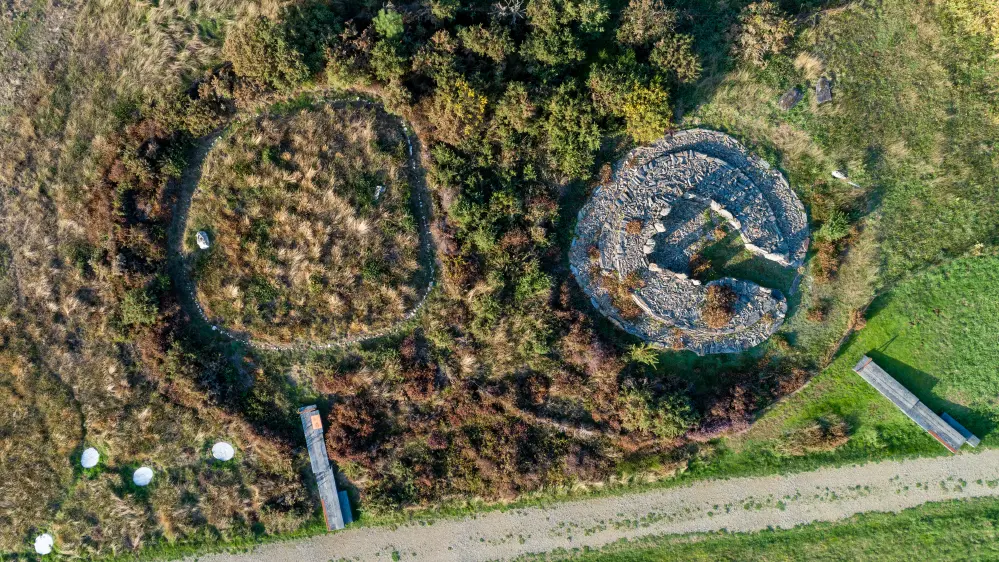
x: 679, y: 190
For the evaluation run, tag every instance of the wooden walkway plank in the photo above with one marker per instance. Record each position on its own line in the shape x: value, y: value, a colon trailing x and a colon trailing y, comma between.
x: 312, y: 425
x: 945, y: 433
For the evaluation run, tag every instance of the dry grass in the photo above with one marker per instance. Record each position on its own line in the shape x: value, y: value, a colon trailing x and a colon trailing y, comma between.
x: 301, y: 248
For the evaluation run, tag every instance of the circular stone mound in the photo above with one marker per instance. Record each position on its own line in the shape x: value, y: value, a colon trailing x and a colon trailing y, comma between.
x: 311, y: 230
x: 635, y: 238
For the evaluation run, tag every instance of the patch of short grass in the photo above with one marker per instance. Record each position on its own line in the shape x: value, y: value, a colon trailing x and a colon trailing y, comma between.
x: 934, y: 333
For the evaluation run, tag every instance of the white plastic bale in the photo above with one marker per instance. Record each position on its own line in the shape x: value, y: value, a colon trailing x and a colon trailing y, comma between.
x: 142, y: 476
x: 90, y: 458
x: 44, y: 543
x: 223, y: 451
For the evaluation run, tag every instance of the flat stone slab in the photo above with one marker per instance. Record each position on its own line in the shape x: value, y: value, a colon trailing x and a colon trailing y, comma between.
x: 658, y: 211
x: 823, y: 90
x: 790, y: 99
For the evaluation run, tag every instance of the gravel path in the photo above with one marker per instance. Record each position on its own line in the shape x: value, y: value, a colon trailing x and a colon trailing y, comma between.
x: 741, y: 504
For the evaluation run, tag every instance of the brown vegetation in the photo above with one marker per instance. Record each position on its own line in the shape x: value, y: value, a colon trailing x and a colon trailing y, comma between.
x: 719, y: 306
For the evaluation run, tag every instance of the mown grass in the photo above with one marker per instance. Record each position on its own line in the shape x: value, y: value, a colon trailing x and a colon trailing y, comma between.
x: 301, y: 247
x: 956, y: 530
x: 935, y: 334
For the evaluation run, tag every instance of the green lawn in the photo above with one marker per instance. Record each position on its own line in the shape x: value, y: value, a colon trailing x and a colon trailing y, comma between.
x: 958, y: 530
x: 936, y: 333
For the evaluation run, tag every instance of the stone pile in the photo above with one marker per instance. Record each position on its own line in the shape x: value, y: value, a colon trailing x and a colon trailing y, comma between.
x: 659, y: 210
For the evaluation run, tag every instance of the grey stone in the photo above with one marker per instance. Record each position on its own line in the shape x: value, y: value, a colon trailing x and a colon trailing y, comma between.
x: 823, y: 90
x: 202, y: 239
x: 790, y: 99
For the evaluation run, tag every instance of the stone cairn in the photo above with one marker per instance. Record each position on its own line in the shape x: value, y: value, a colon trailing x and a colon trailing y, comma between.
x: 658, y: 211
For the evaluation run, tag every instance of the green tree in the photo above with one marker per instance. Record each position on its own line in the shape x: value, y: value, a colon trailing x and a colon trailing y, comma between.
x: 645, y: 354
x: 387, y: 59
x: 388, y: 24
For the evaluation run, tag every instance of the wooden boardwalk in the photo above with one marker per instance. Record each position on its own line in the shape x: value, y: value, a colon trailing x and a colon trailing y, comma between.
x: 312, y: 424
x: 948, y: 435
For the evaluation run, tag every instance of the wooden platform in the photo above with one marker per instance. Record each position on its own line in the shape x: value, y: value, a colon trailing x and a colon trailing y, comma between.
x: 945, y: 433
x: 312, y: 424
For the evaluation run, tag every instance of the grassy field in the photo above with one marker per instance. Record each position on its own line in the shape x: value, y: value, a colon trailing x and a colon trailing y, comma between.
x: 959, y: 530
x: 302, y: 249
x: 935, y: 333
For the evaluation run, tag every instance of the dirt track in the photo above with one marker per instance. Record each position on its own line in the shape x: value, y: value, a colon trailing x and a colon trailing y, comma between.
x: 743, y: 504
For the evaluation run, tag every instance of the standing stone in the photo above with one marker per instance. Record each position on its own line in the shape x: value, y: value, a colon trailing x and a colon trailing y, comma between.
x: 823, y: 90
x: 790, y: 99
x: 202, y: 239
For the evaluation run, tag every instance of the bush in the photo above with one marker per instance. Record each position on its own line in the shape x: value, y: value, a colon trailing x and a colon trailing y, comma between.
x: 560, y: 29
x: 493, y: 42
x: 644, y: 22
x: 667, y: 417
x: 138, y: 308
x: 457, y: 112
x: 573, y: 134
x: 259, y: 49
x: 646, y: 112
x: 762, y: 30
x: 674, y: 56
x: 837, y: 226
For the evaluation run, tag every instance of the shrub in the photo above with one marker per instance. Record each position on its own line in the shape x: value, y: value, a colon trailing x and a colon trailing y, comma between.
x: 834, y: 228
x: 387, y: 61
x: 138, y: 308
x: 666, y: 417
x: 719, y: 306
x: 646, y: 112
x: 674, y: 57
x: 762, y: 30
x: 493, y: 42
x: 259, y: 49
x: 572, y: 131
x: 644, y: 22
x: 457, y: 112
x: 561, y: 28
